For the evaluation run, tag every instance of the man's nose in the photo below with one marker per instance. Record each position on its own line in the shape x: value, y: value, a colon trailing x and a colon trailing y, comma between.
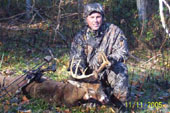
x: 95, y: 19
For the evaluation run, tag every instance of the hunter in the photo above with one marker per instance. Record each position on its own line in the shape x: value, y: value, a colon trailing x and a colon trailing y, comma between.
x: 98, y: 36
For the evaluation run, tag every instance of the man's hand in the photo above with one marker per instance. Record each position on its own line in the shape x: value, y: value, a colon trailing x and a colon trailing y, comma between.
x: 98, y: 60
x: 95, y: 61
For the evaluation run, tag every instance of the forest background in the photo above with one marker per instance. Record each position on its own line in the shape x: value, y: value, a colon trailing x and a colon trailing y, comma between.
x: 29, y: 28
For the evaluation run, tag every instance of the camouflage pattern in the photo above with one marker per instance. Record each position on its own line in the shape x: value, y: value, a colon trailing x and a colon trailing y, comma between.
x: 94, y: 7
x: 90, y: 8
x: 110, y: 39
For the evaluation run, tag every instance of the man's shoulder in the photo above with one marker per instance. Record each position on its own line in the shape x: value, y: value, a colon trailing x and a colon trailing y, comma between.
x: 80, y: 33
x: 115, y: 30
x: 113, y: 26
x: 79, y: 37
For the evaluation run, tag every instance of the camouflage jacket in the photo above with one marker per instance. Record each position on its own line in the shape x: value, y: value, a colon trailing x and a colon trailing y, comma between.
x: 87, y: 43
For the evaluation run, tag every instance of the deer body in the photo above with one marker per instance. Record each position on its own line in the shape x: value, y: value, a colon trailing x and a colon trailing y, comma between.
x: 67, y: 93
x: 62, y: 93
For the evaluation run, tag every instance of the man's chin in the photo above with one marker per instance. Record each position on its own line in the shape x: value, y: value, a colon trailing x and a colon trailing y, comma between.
x: 95, y: 28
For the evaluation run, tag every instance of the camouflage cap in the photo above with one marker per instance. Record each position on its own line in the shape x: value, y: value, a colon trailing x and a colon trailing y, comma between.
x: 94, y: 7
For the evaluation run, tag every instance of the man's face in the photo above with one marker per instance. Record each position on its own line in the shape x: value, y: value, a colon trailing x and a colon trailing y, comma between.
x: 94, y: 20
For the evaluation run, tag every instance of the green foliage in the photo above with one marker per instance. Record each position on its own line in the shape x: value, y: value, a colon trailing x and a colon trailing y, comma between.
x: 120, y: 12
x: 149, y: 36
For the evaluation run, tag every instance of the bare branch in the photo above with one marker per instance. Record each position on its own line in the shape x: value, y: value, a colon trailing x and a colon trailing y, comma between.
x: 151, y: 59
x: 11, y: 17
x: 162, y: 15
x: 167, y: 5
x: 40, y: 25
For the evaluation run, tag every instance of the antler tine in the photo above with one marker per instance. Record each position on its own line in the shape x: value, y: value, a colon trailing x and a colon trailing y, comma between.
x: 74, y: 75
x: 104, y: 57
x: 76, y: 67
x: 83, y: 72
x: 71, y: 70
x: 105, y: 62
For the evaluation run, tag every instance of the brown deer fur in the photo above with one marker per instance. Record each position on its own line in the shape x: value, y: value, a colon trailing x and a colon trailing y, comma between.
x: 61, y: 93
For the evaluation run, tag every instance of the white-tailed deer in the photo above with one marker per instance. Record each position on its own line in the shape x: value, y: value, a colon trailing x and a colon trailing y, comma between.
x: 68, y: 93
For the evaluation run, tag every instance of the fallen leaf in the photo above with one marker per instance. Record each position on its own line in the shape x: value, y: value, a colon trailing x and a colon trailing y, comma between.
x: 24, y: 98
x: 165, y: 106
x: 6, y: 108
x: 103, y: 107
x: 9, y: 72
x: 7, y: 102
x: 25, y: 111
x: 112, y: 110
x: 14, y: 104
x: 67, y: 111
x: 1, y: 44
x: 6, y: 58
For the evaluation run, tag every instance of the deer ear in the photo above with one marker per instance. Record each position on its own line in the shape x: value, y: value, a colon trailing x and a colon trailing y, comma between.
x: 74, y: 83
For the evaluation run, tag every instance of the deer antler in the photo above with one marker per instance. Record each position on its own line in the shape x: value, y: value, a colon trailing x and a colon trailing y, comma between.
x: 74, y: 75
x: 105, y: 62
x: 102, y: 57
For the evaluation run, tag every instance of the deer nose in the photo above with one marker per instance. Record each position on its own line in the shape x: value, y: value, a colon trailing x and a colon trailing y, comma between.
x: 104, y: 100
x: 86, y: 97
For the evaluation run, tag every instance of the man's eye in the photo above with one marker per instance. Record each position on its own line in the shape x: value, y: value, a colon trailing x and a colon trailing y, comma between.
x: 98, y: 16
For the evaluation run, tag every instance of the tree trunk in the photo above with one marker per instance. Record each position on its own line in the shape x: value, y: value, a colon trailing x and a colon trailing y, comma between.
x: 161, y: 7
x: 142, y: 12
x: 9, y: 4
x: 80, y: 6
x: 80, y: 10
x: 28, y: 8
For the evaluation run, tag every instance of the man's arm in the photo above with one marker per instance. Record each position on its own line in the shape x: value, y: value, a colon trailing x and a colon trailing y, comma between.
x: 77, y: 52
x: 119, y: 51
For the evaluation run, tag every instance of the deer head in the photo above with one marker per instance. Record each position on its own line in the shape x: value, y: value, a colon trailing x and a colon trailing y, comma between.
x: 92, y: 91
